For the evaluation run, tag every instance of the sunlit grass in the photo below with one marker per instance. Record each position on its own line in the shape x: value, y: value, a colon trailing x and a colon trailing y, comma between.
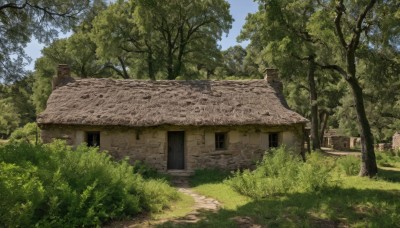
x: 223, y: 193
x: 357, y: 202
x: 179, y: 208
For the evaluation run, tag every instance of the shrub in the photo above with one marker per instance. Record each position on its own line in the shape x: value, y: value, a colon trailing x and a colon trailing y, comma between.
x: 282, y: 172
x: 66, y: 187
x: 30, y: 133
x: 315, y: 174
x: 207, y: 176
x: 147, y: 172
x: 387, y: 158
x: 21, y: 194
x: 350, y: 165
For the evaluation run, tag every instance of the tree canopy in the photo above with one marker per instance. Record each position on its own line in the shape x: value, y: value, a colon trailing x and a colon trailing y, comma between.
x: 22, y: 20
x: 162, y: 37
x: 334, y: 39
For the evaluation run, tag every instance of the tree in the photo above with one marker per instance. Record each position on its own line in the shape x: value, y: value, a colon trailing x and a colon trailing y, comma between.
x: 23, y: 19
x: 181, y: 23
x: 16, y: 105
x: 330, y: 35
x: 119, y: 41
x: 160, y: 34
x: 350, y: 27
x: 285, y: 42
x: 44, y: 72
x: 234, y: 60
x: 78, y: 51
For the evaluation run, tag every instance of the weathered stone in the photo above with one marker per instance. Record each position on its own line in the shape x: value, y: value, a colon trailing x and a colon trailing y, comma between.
x: 245, y: 144
x: 396, y: 141
x: 337, y: 142
x: 383, y: 146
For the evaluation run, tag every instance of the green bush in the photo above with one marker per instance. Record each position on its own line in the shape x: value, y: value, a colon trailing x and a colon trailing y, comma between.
x: 26, y: 190
x: 387, y: 158
x: 148, y: 172
x: 59, y: 186
x: 282, y: 172
x: 315, y: 174
x: 350, y: 165
x: 30, y: 133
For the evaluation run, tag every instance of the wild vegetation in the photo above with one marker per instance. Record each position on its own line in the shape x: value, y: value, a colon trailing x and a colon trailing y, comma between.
x: 349, y: 200
x: 55, y: 185
x: 281, y: 171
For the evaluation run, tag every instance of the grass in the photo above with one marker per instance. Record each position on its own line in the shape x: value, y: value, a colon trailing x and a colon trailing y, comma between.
x: 180, y: 208
x: 209, y: 183
x: 357, y: 202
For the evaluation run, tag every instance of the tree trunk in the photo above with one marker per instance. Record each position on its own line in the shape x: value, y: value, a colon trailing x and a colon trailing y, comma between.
x: 179, y: 60
x: 125, y: 74
x: 150, y: 65
x: 315, y: 145
x: 368, y: 160
x: 324, y: 123
x: 170, y: 65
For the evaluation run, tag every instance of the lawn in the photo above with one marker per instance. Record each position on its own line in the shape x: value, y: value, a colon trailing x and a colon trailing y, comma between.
x: 356, y: 202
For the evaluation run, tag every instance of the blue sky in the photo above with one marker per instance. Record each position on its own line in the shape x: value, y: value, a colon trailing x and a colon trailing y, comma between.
x: 239, y: 10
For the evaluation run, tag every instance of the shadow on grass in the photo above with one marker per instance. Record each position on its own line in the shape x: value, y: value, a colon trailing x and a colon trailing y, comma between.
x: 208, y: 176
x: 330, y: 208
x: 389, y: 174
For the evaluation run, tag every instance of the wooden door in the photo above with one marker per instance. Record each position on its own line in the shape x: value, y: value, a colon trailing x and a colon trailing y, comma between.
x: 176, y: 159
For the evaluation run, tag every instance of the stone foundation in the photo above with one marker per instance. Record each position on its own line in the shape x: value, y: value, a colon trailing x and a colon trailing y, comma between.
x: 245, y: 145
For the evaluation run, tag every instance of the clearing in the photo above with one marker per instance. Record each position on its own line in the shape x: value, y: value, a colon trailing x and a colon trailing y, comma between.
x: 356, y: 202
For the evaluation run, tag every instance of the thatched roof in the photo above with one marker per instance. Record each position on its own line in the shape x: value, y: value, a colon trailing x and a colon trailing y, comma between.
x: 334, y: 133
x: 152, y: 103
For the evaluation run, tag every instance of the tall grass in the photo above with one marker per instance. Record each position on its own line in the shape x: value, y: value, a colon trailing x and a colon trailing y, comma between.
x: 388, y: 159
x: 54, y: 185
x: 350, y: 165
x: 280, y: 172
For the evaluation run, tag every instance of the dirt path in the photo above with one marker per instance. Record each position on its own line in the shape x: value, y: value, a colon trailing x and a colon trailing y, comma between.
x: 340, y: 153
x: 202, y: 204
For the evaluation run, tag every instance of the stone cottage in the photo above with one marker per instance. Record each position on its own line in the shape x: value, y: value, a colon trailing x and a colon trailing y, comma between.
x: 173, y: 125
x: 335, y: 140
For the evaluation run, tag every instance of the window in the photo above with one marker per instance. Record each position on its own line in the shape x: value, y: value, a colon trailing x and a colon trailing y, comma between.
x: 220, y: 141
x: 93, y: 138
x: 273, y: 139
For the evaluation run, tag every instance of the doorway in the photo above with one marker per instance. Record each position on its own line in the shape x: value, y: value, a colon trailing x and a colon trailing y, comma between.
x: 176, y: 150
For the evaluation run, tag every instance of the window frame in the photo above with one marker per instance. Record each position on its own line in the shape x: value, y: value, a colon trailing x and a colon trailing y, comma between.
x: 273, y: 137
x: 90, y: 134
x: 218, y: 141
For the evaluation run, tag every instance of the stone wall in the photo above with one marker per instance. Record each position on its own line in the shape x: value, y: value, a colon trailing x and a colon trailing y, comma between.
x: 245, y: 145
x: 381, y: 147
x: 337, y: 142
x: 396, y: 141
x: 355, y: 142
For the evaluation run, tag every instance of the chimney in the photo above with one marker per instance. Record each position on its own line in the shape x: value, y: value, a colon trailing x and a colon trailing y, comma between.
x: 63, y: 76
x: 271, y: 75
x: 272, y: 78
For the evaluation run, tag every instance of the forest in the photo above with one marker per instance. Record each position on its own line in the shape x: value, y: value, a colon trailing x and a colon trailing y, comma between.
x: 339, y: 60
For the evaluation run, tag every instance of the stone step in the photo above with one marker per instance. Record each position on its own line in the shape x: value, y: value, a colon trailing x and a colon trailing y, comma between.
x: 180, y: 173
